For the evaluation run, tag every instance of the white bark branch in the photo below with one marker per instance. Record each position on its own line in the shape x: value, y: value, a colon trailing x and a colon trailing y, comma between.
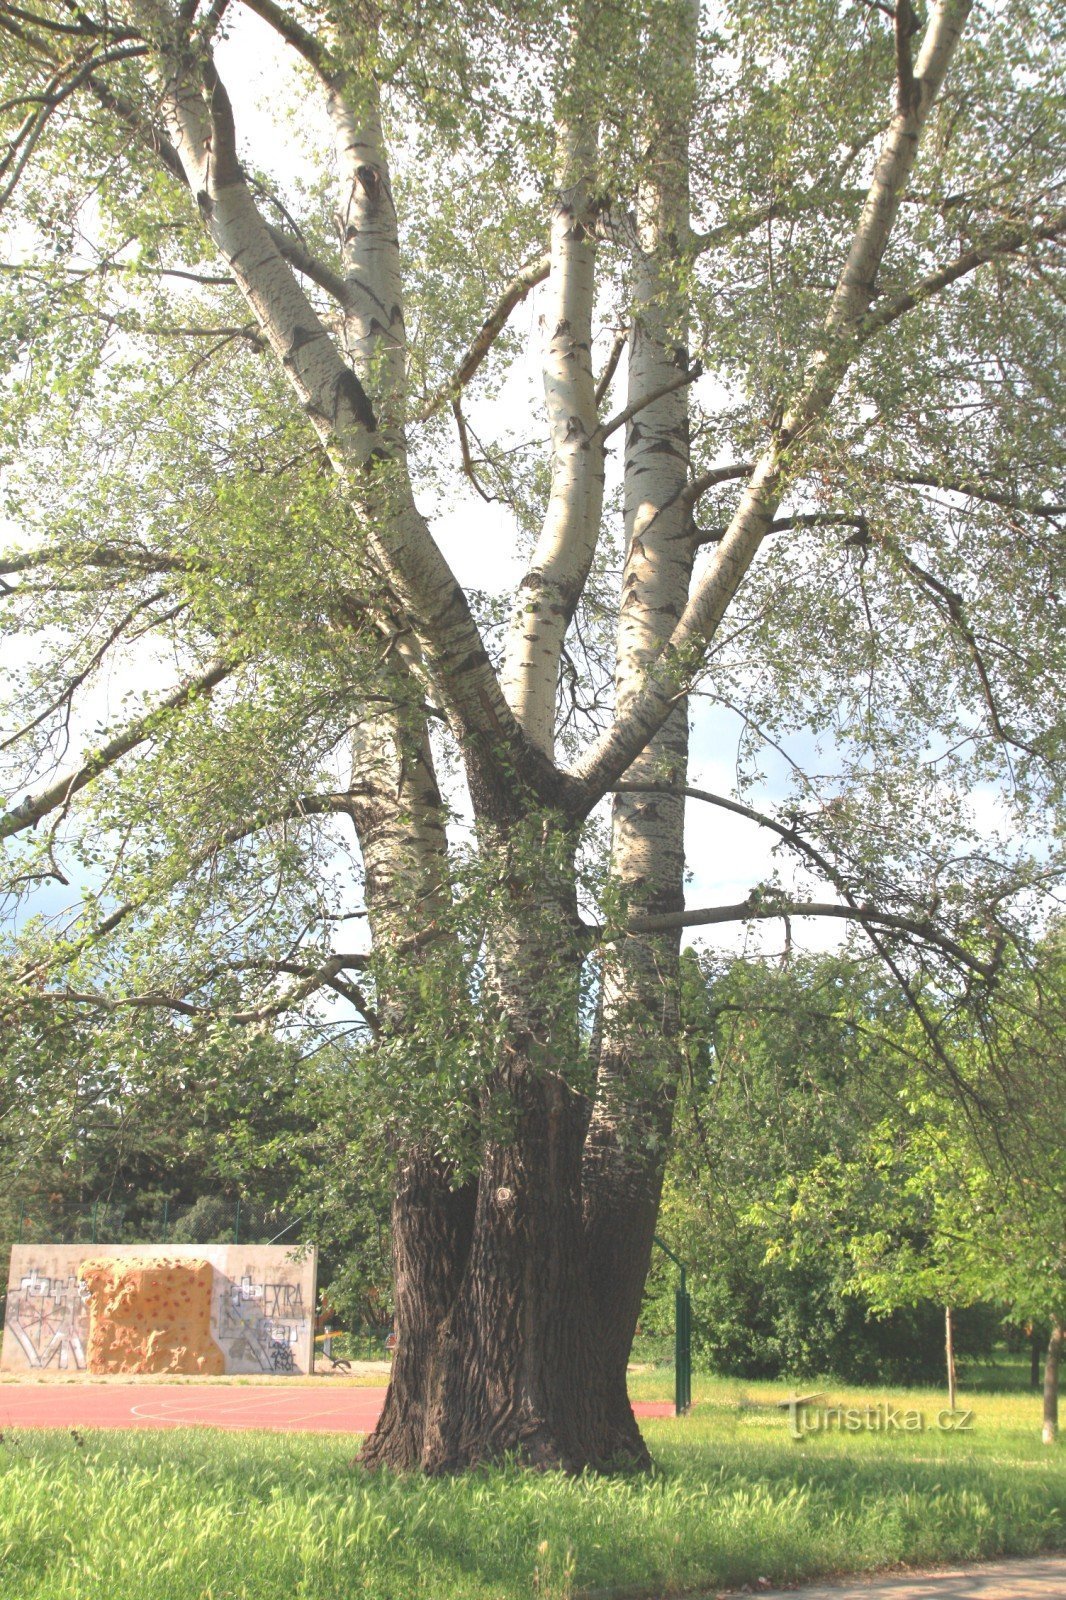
x: 31, y: 810
x: 516, y: 291
x: 757, y: 908
x: 670, y: 674
x: 641, y: 402
x: 369, y: 458
x: 562, y: 559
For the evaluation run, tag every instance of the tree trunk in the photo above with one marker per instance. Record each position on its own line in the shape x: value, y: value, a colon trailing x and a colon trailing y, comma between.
x: 639, y: 1060
x: 949, y: 1352
x: 522, y: 1369
x: 1051, y: 1383
x: 432, y: 1225
x: 513, y: 1363
x: 397, y: 812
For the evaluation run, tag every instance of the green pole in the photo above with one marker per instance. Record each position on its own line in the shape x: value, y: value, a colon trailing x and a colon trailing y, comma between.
x: 682, y: 1334
x: 22, y: 1218
x: 683, y: 1348
x: 95, y: 1204
x: 237, y: 1222
x: 166, y: 1213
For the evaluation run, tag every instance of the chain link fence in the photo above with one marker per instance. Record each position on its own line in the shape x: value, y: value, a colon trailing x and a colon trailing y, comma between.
x: 155, y: 1219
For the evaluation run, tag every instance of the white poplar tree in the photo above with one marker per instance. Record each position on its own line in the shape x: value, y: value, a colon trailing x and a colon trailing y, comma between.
x: 798, y: 271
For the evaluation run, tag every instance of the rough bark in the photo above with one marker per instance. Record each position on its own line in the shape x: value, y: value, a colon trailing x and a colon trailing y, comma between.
x: 505, y: 1357
x: 432, y: 1225
x: 522, y: 1370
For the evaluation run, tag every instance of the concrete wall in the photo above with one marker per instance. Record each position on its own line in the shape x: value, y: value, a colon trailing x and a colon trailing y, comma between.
x: 260, y: 1317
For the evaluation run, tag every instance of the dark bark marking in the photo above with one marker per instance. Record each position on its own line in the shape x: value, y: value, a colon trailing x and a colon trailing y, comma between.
x: 348, y: 388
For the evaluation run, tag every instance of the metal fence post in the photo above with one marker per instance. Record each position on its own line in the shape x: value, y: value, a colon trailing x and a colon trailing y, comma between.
x: 682, y: 1347
x: 682, y: 1335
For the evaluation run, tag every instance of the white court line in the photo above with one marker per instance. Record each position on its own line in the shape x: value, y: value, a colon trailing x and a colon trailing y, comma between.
x: 246, y: 1404
x: 186, y: 1404
x: 302, y: 1416
x: 196, y: 1396
x: 164, y: 1411
x: 277, y: 1424
x: 190, y: 1407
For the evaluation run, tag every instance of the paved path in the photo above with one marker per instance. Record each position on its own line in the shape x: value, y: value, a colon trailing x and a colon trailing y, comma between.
x: 1037, y: 1578
x: 305, y: 1408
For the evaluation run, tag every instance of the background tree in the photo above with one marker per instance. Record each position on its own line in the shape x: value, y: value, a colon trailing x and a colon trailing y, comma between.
x: 789, y: 1071
x: 143, y: 1127
x: 245, y: 354
x: 933, y: 1196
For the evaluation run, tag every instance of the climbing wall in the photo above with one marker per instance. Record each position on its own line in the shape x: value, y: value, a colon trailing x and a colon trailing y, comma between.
x: 151, y: 1315
x: 160, y: 1308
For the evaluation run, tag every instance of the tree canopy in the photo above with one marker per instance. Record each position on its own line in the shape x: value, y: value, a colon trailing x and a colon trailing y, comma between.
x: 330, y: 645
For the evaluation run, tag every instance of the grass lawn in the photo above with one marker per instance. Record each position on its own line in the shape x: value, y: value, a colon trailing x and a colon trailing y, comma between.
x: 189, y: 1515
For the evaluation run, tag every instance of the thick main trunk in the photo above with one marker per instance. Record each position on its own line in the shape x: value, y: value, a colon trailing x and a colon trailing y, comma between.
x: 513, y: 1364
x: 497, y: 1352
x: 521, y: 1368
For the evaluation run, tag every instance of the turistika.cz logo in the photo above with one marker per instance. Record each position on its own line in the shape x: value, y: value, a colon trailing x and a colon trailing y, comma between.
x: 809, y: 1413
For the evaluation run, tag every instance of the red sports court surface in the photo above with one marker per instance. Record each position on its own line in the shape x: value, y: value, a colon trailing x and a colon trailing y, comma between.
x: 305, y: 1408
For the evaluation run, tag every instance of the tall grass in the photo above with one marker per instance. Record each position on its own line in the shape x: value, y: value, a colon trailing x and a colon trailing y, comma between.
x: 197, y: 1515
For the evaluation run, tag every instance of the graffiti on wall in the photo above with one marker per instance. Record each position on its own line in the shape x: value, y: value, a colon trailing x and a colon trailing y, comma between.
x: 262, y: 1323
x: 48, y: 1317
x: 261, y: 1312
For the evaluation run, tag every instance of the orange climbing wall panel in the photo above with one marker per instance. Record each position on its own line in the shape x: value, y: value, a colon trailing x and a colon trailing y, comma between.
x: 150, y: 1314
